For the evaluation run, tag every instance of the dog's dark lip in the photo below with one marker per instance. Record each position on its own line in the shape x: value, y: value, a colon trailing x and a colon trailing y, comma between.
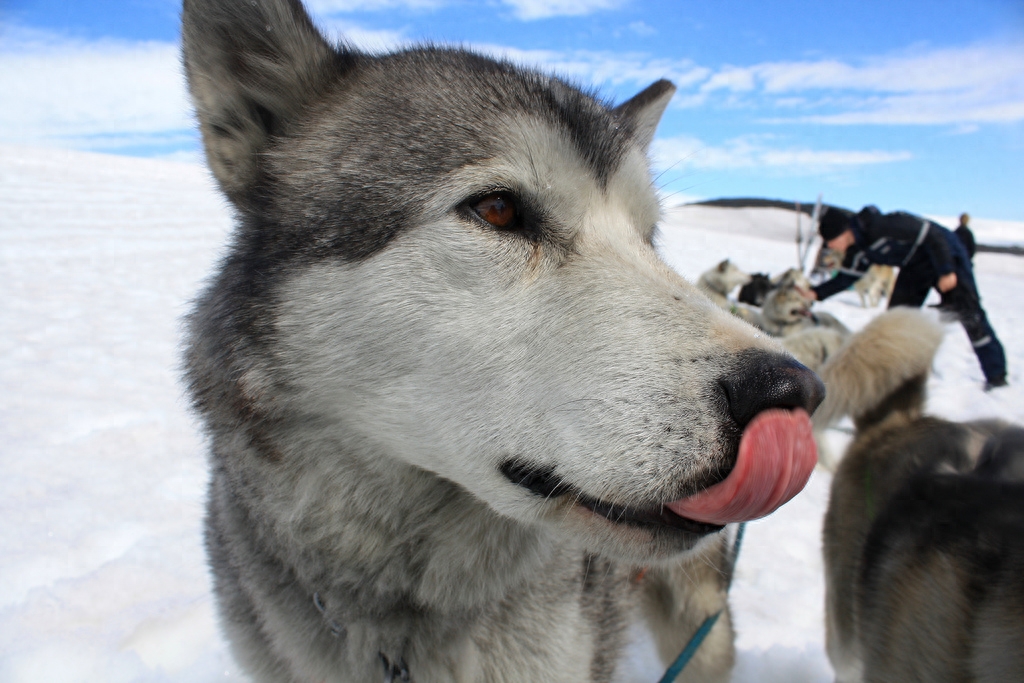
x: 543, y: 482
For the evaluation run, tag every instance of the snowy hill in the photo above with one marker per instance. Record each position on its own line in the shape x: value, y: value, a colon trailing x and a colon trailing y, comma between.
x: 103, y: 576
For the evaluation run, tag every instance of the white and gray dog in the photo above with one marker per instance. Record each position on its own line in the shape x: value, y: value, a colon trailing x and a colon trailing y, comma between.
x: 454, y: 397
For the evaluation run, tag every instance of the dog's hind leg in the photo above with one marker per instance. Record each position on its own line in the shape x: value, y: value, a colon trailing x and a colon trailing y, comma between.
x: 676, y: 599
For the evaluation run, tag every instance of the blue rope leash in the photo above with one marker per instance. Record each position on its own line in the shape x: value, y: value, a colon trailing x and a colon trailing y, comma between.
x: 691, y: 648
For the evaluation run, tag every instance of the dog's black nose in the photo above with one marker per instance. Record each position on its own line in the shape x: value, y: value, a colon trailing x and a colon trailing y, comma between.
x: 761, y: 380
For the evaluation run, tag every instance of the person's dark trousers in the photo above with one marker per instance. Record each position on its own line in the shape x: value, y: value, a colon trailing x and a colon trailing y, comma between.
x: 911, y: 289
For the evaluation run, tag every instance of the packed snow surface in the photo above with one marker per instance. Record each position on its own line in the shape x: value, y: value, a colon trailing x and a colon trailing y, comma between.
x: 103, y: 577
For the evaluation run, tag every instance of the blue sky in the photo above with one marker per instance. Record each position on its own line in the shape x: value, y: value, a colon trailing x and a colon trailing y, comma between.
x: 905, y: 104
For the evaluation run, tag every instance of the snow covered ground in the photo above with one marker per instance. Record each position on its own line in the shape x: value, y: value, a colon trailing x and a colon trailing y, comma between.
x: 102, y: 576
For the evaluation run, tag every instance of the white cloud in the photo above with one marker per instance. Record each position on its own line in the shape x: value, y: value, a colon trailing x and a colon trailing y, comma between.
x: 730, y: 78
x: 608, y: 68
x: 976, y: 84
x: 961, y: 109
x: 369, y: 40
x: 341, y: 6
x: 526, y: 10
x: 71, y: 92
x: 108, y: 95
x: 684, y: 152
x: 932, y: 71
x: 823, y: 159
x: 642, y: 29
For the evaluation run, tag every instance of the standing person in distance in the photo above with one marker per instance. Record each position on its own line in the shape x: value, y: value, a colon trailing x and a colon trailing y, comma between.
x: 963, y: 231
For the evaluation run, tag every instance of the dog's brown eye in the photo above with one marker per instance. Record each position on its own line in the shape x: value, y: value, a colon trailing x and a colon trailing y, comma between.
x: 498, y: 209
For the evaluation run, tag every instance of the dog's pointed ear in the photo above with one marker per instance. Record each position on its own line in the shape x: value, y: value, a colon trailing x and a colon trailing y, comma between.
x: 252, y: 66
x: 643, y: 111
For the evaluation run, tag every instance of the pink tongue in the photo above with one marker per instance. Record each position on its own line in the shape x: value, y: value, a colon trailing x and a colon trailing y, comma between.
x: 777, y: 454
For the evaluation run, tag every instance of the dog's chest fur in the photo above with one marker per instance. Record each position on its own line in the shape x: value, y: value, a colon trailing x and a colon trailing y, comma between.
x: 345, y: 622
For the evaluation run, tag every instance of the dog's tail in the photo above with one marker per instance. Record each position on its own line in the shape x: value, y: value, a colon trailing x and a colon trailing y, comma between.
x: 880, y: 370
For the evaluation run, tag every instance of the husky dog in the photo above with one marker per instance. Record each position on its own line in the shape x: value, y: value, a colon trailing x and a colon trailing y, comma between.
x: 875, y: 285
x: 794, y: 277
x: 760, y: 284
x: 810, y: 337
x: 826, y: 263
x: 923, y: 535
x: 754, y: 292
x: 454, y: 397
x: 787, y: 311
x: 829, y: 259
x: 719, y: 281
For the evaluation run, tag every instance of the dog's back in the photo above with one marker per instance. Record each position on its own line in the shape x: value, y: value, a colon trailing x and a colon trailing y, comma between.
x: 941, y: 591
x: 924, y: 568
x: 813, y: 346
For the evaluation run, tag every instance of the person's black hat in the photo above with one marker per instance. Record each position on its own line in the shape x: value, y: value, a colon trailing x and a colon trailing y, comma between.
x: 834, y: 223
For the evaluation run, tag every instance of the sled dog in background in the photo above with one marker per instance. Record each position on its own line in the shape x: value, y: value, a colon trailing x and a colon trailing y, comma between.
x: 453, y: 396
x: 754, y: 292
x: 815, y: 345
x: 923, y: 536
x: 787, y: 311
x: 792, y: 277
x: 876, y: 285
x: 826, y: 263
x: 718, y: 282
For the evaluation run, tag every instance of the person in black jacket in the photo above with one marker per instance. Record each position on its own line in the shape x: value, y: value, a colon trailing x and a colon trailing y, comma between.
x: 928, y: 255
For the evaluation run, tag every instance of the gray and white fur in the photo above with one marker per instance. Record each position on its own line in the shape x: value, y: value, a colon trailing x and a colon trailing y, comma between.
x: 441, y: 444
x: 813, y: 346
x: 719, y: 281
x: 786, y: 311
x: 923, y: 536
